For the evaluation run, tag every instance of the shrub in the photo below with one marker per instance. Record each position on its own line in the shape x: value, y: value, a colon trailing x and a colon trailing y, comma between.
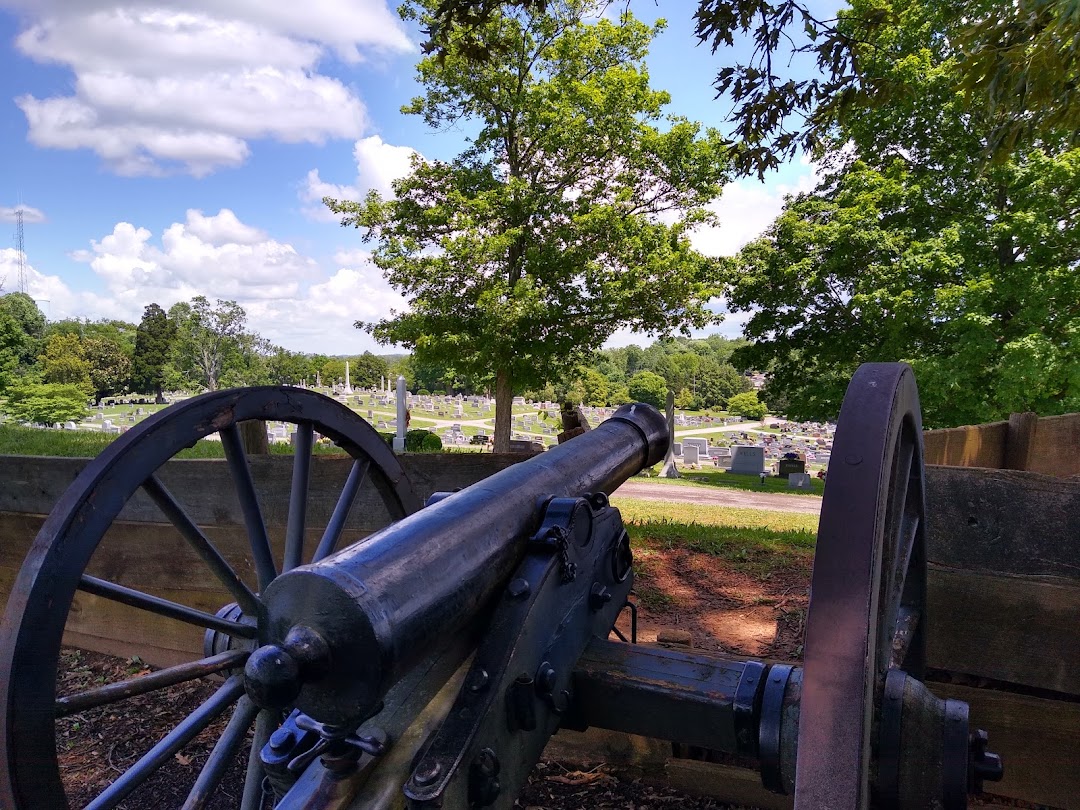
x: 431, y: 444
x: 414, y: 440
x: 423, y: 392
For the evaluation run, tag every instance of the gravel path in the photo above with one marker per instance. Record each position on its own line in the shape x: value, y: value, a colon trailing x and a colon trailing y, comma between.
x: 718, y: 496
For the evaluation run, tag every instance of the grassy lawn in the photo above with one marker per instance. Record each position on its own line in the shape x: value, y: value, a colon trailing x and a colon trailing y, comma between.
x: 720, y: 478
x: 21, y: 441
x: 751, y: 540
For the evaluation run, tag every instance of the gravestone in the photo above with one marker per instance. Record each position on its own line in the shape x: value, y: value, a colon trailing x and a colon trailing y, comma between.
x: 799, y: 481
x: 747, y: 460
x: 702, y: 445
x: 690, y: 454
x: 676, y: 448
x: 790, y: 466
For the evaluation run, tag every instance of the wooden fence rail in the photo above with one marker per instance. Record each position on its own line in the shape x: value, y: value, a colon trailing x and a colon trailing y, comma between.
x: 1049, y: 445
x: 1003, y: 589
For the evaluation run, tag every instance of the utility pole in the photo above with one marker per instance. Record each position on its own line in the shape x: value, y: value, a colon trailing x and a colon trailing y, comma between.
x: 20, y: 248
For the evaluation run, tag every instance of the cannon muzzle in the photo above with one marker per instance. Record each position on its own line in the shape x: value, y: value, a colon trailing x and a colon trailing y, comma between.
x: 338, y: 633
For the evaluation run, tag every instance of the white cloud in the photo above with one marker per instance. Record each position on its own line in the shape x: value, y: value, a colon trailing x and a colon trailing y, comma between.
x: 158, y: 88
x: 30, y: 215
x: 378, y: 165
x: 744, y: 211
x: 289, y: 299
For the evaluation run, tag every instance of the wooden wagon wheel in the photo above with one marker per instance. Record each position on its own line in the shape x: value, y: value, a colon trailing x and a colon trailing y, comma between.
x: 55, y: 569
x: 868, y: 593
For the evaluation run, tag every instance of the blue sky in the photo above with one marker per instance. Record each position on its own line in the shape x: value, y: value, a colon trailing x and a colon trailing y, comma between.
x: 179, y: 147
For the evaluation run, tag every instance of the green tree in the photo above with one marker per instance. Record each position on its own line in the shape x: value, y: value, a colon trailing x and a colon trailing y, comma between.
x: 22, y: 327
x: 64, y: 362
x: 911, y: 249
x: 122, y: 333
x: 595, y: 387
x: 747, y: 404
x: 645, y: 386
x: 367, y: 370
x: 567, y: 216
x: 1019, y: 69
x: 45, y: 404
x: 288, y: 368
x: 718, y: 382
x: 110, y: 366
x: 153, y: 348
x: 208, y: 339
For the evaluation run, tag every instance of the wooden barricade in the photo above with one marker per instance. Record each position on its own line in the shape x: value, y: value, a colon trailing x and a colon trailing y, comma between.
x: 1047, y: 445
x: 1003, y: 596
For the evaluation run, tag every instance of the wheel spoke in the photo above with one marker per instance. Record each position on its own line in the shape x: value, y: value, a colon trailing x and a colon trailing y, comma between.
x: 336, y: 523
x: 92, y: 698
x: 163, y: 607
x: 907, y: 623
x: 249, y: 505
x: 219, y: 759
x: 294, y: 533
x: 265, y: 724
x: 176, y: 739
x: 248, y: 602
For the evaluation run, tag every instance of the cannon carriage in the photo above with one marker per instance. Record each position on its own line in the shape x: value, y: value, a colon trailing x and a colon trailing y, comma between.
x: 428, y: 665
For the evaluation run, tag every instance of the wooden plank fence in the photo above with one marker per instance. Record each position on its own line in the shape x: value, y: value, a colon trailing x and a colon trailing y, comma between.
x: 1003, y: 591
x: 1048, y: 445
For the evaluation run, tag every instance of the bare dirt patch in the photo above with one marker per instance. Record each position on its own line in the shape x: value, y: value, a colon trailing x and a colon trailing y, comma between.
x: 724, y: 608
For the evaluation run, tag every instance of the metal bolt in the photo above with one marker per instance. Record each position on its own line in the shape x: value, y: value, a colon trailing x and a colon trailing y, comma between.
x: 598, y: 596
x: 281, y: 739
x: 479, y: 680
x: 427, y: 773
x: 546, y: 678
x: 518, y: 588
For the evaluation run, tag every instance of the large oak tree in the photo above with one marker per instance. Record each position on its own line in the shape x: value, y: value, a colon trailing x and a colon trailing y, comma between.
x: 913, y: 248
x: 566, y: 218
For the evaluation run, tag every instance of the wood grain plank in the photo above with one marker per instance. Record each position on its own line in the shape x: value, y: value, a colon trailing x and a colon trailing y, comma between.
x: 1020, y: 630
x: 1038, y: 740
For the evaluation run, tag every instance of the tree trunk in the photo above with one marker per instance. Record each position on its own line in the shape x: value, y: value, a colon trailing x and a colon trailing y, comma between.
x: 254, y: 438
x: 504, y: 404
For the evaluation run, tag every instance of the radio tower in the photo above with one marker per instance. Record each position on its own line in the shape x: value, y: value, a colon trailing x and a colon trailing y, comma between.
x: 20, y: 248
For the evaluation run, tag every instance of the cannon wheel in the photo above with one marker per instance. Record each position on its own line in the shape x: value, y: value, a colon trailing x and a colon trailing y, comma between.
x: 868, y: 593
x: 54, y: 570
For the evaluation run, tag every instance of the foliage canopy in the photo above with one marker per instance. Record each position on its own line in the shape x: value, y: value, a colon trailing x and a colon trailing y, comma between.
x: 566, y: 217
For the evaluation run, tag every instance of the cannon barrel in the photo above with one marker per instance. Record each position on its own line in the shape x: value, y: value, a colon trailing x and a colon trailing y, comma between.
x: 338, y: 633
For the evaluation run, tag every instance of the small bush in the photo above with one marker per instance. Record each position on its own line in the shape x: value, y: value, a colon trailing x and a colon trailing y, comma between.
x: 431, y: 444
x: 423, y: 392
x: 414, y: 440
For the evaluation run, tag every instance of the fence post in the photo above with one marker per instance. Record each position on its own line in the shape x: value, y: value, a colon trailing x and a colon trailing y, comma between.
x: 1020, y: 440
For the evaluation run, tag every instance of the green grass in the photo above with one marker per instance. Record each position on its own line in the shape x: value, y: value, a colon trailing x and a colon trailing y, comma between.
x: 750, y: 540
x: 23, y: 441
x: 752, y: 483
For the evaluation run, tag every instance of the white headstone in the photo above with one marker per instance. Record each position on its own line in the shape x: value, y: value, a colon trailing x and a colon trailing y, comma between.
x: 690, y: 454
x: 348, y: 385
x: 702, y: 445
x: 746, y: 460
x: 798, y: 481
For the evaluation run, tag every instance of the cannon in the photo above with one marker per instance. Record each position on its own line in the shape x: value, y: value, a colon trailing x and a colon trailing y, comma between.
x: 428, y: 664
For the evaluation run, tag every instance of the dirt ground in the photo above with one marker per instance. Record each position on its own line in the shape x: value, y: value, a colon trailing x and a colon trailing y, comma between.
x: 717, y: 496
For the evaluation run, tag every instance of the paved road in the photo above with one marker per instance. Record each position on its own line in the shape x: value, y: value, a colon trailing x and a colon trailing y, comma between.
x: 719, y: 496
